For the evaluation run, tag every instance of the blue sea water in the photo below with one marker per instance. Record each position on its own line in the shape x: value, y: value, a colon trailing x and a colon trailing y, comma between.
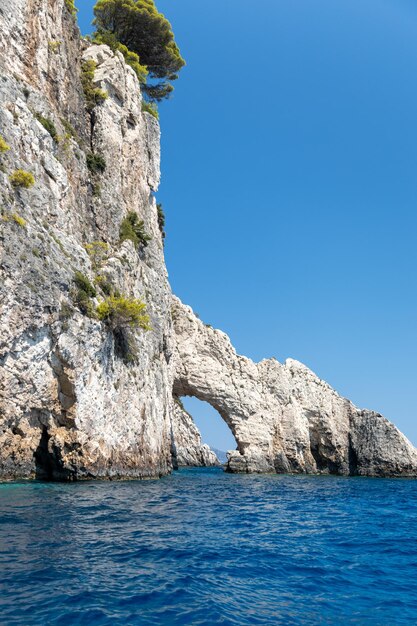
x: 204, y: 547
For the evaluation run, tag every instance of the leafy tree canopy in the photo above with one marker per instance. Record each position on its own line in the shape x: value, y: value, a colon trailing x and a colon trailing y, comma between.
x: 133, y: 229
x: 138, y: 25
x: 131, y: 58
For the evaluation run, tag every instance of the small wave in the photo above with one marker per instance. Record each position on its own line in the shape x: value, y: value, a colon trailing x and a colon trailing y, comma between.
x: 204, y: 547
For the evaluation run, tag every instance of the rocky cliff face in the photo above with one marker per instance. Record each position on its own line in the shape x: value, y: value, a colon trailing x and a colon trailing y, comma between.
x: 283, y: 417
x: 72, y: 405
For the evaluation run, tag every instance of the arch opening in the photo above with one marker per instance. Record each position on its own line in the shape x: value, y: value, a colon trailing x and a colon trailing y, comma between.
x: 214, y: 430
x: 200, y: 436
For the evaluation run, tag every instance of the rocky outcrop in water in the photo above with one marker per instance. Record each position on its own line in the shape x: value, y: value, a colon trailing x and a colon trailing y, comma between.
x: 78, y: 399
x: 283, y: 417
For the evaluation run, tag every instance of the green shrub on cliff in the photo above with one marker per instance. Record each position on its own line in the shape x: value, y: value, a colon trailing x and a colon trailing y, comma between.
x: 20, y: 178
x: 151, y: 108
x: 84, y: 292
x: 69, y: 129
x: 93, y: 95
x: 81, y: 281
x: 98, y: 251
x: 48, y: 125
x: 20, y: 221
x: 121, y: 312
x: 54, y: 45
x: 138, y: 25
x: 4, y: 147
x: 83, y: 301
x: 106, y: 286
x: 96, y: 163
x: 133, y: 229
x: 71, y: 7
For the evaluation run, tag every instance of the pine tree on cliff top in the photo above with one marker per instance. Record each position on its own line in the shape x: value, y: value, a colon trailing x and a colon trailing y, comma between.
x: 138, y: 25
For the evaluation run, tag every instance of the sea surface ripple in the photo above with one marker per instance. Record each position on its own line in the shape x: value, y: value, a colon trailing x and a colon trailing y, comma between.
x: 204, y: 547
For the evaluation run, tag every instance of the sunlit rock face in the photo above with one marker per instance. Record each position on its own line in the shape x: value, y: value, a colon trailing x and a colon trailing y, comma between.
x: 283, y: 417
x: 70, y: 407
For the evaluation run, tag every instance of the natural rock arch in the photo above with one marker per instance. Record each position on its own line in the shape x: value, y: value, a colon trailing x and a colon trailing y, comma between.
x: 283, y: 417
x: 207, y: 368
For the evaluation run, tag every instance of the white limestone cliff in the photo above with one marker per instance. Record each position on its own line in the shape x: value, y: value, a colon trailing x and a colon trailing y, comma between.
x: 72, y: 406
x: 283, y: 417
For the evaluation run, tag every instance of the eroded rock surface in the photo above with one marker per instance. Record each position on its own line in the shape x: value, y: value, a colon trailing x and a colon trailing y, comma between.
x: 73, y: 403
x: 284, y: 418
x: 70, y: 406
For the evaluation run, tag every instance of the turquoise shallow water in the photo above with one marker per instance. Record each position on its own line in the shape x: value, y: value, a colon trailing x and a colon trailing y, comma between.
x: 203, y: 547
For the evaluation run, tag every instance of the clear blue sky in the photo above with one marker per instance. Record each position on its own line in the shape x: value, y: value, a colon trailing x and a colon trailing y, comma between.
x: 290, y: 188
